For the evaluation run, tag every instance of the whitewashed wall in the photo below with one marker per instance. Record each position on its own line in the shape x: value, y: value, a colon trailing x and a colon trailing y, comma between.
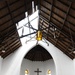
x: 26, y: 64
x: 32, y: 66
x: 64, y: 65
x: 0, y: 64
x: 49, y: 64
x: 74, y: 65
x: 43, y: 66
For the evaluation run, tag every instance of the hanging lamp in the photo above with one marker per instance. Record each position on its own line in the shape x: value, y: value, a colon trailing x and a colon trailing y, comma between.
x: 39, y: 36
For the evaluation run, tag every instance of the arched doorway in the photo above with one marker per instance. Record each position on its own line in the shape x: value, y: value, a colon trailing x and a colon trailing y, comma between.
x: 38, y: 58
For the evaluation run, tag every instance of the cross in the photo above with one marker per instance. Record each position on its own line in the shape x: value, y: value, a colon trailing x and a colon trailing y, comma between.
x: 38, y: 71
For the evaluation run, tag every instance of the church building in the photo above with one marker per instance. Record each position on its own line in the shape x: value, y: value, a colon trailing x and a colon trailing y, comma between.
x: 37, y: 37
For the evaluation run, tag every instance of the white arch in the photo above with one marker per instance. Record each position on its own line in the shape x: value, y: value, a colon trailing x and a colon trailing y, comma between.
x: 9, y: 65
x: 44, y: 46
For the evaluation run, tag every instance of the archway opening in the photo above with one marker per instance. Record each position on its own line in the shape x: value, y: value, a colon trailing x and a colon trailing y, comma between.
x: 38, y: 60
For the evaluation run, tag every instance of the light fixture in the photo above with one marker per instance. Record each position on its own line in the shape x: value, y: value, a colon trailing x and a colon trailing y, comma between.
x: 3, y: 51
x: 39, y: 36
x: 49, y: 71
x: 26, y: 71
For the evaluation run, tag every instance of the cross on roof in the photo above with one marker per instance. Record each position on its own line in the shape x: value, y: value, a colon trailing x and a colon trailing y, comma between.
x: 37, y: 71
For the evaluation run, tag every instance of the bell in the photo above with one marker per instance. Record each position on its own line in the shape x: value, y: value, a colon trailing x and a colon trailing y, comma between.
x: 39, y: 36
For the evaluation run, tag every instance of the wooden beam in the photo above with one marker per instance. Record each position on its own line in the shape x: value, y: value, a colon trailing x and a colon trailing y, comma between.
x: 65, y: 34
x: 9, y: 4
x: 64, y: 21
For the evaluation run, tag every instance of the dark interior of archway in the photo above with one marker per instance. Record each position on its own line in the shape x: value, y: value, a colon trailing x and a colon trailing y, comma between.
x: 38, y: 53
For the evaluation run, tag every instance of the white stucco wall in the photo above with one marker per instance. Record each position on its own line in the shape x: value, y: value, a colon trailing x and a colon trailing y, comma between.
x: 11, y: 65
x: 33, y: 65
x: 64, y: 65
x: 0, y: 64
x: 74, y: 65
x: 49, y: 64
x: 26, y: 64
